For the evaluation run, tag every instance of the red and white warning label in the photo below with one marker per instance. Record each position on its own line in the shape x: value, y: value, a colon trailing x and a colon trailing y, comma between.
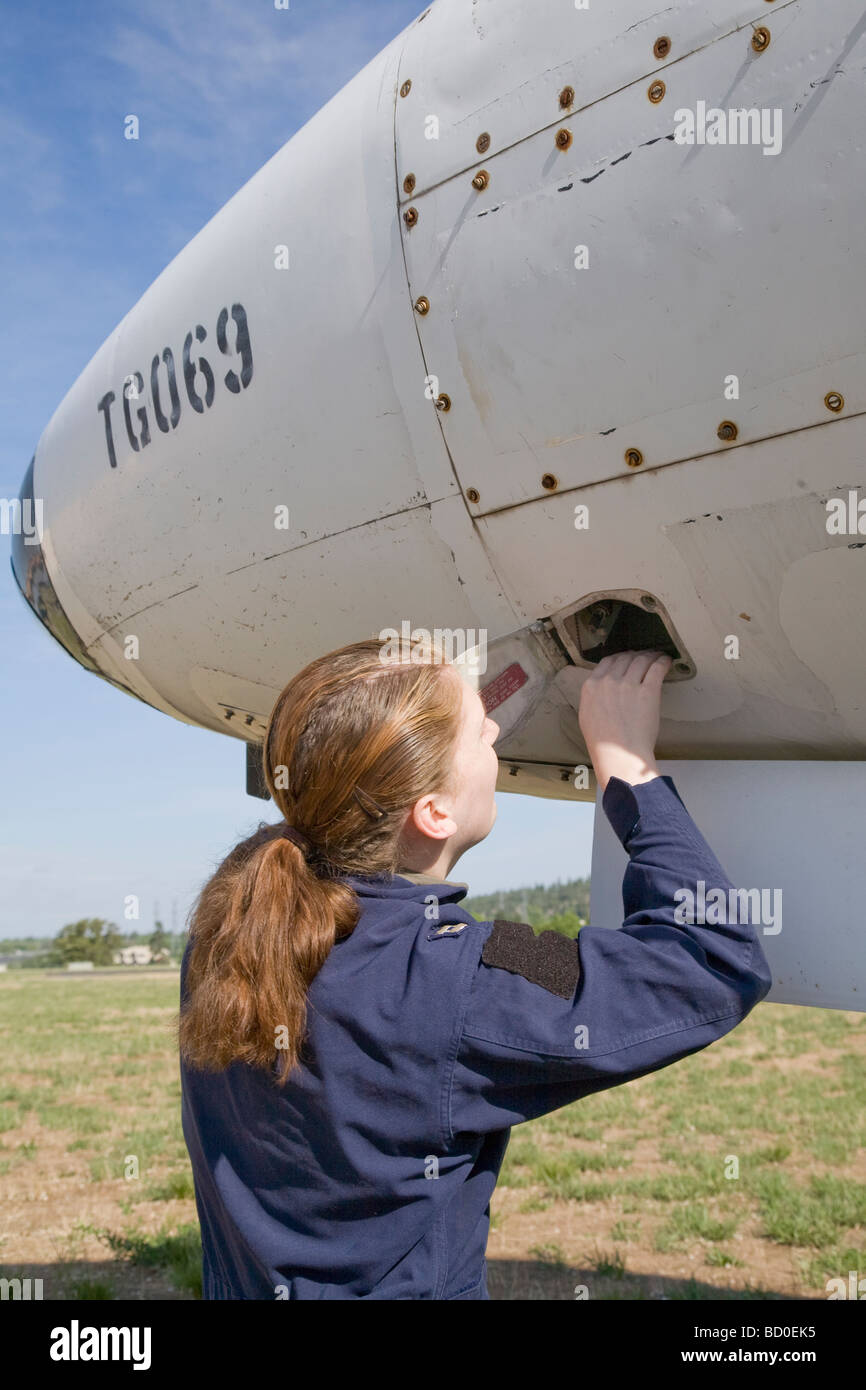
x: 503, y: 685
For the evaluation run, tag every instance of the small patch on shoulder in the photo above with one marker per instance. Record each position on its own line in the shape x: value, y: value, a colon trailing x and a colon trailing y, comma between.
x: 550, y: 960
x: 447, y: 929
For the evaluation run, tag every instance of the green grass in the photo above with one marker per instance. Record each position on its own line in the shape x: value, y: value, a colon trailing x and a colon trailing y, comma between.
x: 177, y: 1252
x: 689, y: 1223
x: 784, y: 1095
x: 722, y: 1259
x: 79, y: 1119
x: 735, y: 1140
x: 814, y: 1215
x: 610, y: 1266
x: 548, y: 1253
x: 108, y: 1090
x: 625, y: 1230
x: 90, y: 1289
x: 173, y: 1188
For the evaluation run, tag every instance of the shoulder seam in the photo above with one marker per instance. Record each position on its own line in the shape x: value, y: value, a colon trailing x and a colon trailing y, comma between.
x: 471, y: 965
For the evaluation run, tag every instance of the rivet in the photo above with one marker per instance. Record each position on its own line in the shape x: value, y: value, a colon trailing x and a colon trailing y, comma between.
x: 834, y: 401
x: 550, y: 481
x: 481, y: 180
x: 656, y: 91
x: 727, y: 430
x: 406, y: 88
x: 473, y: 495
x: 564, y: 138
x: 648, y: 601
x: 566, y: 98
x: 410, y: 217
x: 662, y: 47
x: 422, y: 304
x: 761, y: 39
x: 482, y: 143
x: 443, y: 402
x: 634, y: 458
x: 409, y: 183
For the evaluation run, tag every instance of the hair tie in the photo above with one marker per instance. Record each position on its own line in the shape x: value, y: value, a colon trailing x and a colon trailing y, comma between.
x: 288, y: 832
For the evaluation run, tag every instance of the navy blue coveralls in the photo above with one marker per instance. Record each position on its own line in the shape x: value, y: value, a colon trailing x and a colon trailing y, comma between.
x: 429, y: 1035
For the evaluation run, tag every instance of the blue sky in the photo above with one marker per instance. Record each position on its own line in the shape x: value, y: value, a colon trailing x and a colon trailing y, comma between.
x: 103, y: 796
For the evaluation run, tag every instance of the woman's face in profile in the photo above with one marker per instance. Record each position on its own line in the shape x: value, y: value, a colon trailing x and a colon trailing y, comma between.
x: 443, y: 824
x: 475, y: 770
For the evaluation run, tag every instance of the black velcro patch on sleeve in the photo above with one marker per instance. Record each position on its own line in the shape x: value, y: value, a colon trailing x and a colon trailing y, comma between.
x: 550, y: 960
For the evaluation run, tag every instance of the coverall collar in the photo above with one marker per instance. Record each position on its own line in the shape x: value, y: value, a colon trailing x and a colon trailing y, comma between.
x: 415, y: 887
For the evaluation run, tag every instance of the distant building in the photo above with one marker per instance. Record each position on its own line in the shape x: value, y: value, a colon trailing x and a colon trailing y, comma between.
x: 133, y: 955
x: 139, y: 955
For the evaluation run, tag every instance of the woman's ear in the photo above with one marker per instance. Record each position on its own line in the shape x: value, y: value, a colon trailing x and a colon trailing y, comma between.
x: 431, y: 817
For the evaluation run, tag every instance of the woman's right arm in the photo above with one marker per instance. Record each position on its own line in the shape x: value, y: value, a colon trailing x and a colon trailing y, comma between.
x: 545, y: 1020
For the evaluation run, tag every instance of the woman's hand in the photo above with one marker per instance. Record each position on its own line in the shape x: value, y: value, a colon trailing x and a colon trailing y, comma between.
x: 620, y: 710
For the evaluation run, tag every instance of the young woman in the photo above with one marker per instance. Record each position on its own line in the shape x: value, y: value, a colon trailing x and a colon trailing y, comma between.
x: 355, y: 1047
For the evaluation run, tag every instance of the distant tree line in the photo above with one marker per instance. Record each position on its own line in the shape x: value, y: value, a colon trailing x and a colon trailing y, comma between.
x: 562, y: 907
x: 90, y: 939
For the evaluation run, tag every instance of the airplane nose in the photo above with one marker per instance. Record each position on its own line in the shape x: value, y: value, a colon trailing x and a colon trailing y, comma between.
x: 32, y: 577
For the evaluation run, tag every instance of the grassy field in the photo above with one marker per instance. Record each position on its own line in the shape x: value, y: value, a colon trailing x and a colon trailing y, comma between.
x: 738, y: 1173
